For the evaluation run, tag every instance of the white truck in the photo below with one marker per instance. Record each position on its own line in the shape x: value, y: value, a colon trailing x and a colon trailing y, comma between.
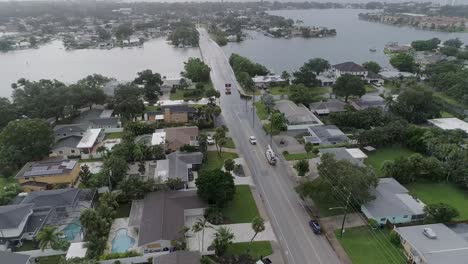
x: 270, y: 156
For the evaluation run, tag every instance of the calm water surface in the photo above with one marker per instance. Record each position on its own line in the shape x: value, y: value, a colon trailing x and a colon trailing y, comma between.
x: 53, y: 61
x: 352, y: 42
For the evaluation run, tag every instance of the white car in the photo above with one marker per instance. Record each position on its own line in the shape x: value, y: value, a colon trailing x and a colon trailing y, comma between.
x: 210, y: 140
x: 253, y: 140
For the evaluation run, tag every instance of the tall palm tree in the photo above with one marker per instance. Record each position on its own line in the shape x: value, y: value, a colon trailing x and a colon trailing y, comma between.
x: 258, y: 226
x: 200, y: 225
x: 47, y: 237
x: 223, y: 238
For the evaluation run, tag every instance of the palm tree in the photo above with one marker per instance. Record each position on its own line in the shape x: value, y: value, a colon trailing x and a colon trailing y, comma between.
x: 258, y: 226
x: 223, y: 238
x: 47, y: 236
x: 200, y: 225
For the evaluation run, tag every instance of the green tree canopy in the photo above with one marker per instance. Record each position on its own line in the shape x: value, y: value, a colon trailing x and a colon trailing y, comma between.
x: 347, y: 85
x: 25, y: 140
x: 215, y: 187
x: 196, y: 70
x: 8, y: 111
x: 372, y: 66
x: 425, y: 45
x: 440, y: 213
x: 403, y: 62
x: 456, y: 43
x: 415, y: 105
x: 127, y: 101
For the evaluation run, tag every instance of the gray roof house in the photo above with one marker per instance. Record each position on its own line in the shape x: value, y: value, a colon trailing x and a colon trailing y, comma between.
x: 105, y: 122
x: 368, y: 101
x: 354, y: 155
x: 298, y: 116
x: 178, y: 165
x: 178, y: 257
x: 53, y: 207
x: 14, y: 258
x: 393, y: 203
x: 325, y: 135
x: 66, y: 147
x: 63, y: 131
x: 327, y: 107
x: 161, y: 216
x: 433, y: 244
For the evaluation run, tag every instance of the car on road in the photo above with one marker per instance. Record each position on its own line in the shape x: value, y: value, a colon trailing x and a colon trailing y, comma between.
x: 315, y: 227
x: 210, y: 140
x: 253, y: 140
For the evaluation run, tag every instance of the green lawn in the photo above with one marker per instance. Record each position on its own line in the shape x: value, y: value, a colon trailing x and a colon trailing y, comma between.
x: 114, y: 135
x: 216, y: 161
x: 449, y: 100
x: 179, y: 94
x: 123, y: 210
x: 445, y: 114
x: 27, y: 245
x: 152, y: 108
x: 370, y: 88
x: 366, y: 247
x: 262, y: 111
x: 242, y: 209
x: 278, y: 90
x: 377, y: 157
x: 319, y: 90
x: 442, y: 193
x: 230, y: 143
x: 256, y: 249
x: 299, y: 156
x: 49, y: 259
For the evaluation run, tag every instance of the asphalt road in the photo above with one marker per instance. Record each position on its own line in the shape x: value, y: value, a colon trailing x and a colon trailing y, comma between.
x: 285, y: 209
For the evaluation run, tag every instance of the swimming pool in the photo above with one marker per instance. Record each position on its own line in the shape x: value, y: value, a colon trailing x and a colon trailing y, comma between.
x: 71, y: 230
x: 122, y: 242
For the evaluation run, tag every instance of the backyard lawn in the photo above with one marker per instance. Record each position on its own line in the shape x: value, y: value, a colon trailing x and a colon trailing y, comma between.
x: 262, y: 111
x: 179, y: 93
x: 114, y: 135
x: 370, y: 88
x: 242, y: 209
x: 256, y: 249
x: 27, y: 245
x: 377, y: 157
x: 216, y: 161
x: 278, y: 90
x: 442, y: 193
x: 366, y: 247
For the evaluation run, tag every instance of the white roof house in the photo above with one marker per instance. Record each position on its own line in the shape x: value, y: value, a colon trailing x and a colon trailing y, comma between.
x: 433, y: 244
x: 356, y: 153
x: 76, y: 250
x: 449, y: 123
x: 158, y: 138
x: 89, y: 138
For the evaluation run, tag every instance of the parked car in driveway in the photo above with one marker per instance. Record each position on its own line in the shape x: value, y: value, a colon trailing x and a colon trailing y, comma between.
x: 210, y: 140
x: 253, y: 140
x: 315, y: 227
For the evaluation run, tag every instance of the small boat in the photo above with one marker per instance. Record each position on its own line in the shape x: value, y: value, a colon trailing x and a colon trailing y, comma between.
x: 372, y: 49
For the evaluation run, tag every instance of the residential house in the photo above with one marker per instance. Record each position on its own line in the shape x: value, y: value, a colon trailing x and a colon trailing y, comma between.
x: 66, y: 147
x: 353, y: 155
x: 170, y: 83
x: 176, y: 137
x: 14, y: 258
x: 60, y: 208
x: 325, y: 135
x: 269, y: 80
x: 89, y: 141
x: 392, y: 75
x: 179, y: 165
x: 105, y: 122
x: 298, y: 116
x: 178, y: 257
x: 433, y: 244
x: 39, y: 175
x: 393, y: 204
x: 63, y: 131
x: 368, y: 101
x: 356, y: 70
x: 327, y: 107
x: 451, y: 123
x: 181, y: 114
x: 160, y: 217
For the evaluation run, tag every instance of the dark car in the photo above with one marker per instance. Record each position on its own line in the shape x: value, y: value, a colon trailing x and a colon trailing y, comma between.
x: 315, y: 227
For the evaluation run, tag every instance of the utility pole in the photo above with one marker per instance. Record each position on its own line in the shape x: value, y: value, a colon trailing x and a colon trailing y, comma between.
x: 110, y: 184
x: 253, y: 109
x: 345, y: 208
x: 271, y: 129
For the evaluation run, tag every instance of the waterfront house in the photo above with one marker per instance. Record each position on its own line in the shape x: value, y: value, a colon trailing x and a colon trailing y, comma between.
x: 39, y: 175
x: 160, y: 217
x: 433, y: 244
x: 393, y: 204
x: 349, y: 68
x: 269, y: 80
x: 299, y: 118
x: 31, y: 212
x: 325, y: 135
x: 170, y: 83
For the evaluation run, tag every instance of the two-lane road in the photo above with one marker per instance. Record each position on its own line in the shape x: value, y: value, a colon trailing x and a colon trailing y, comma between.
x: 286, y: 211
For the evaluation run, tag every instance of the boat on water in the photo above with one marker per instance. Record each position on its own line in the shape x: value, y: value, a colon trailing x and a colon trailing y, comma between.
x: 372, y: 49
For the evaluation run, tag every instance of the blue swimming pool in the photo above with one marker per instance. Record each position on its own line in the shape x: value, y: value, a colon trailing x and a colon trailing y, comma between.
x: 122, y: 242
x: 72, y: 230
